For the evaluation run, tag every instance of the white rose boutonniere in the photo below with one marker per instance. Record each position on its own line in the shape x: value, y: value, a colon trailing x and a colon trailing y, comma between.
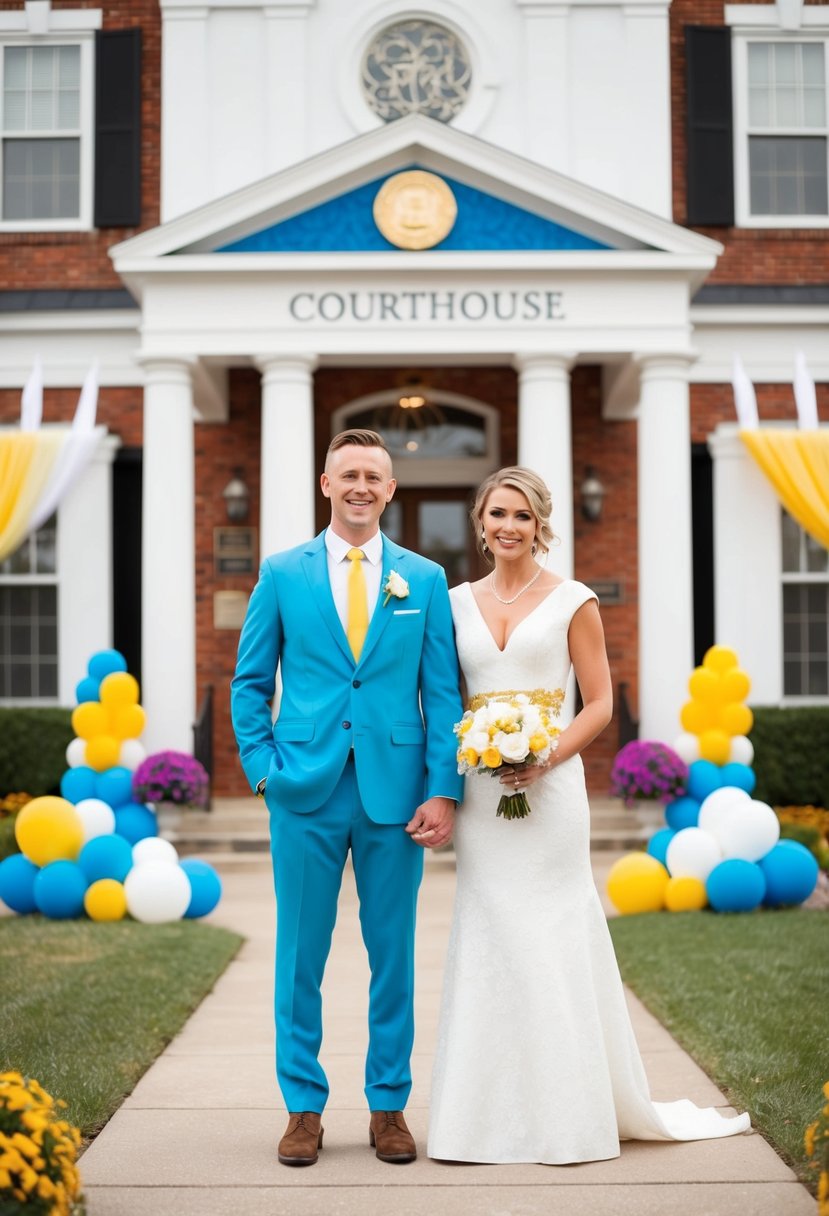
x: 395, y: 586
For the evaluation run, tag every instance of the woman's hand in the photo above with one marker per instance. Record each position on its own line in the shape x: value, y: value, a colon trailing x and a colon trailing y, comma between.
x: 521, y: 778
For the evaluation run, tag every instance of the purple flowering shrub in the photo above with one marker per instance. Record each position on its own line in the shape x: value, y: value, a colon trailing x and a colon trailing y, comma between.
x: 171, y: 777
x: 647, y: 769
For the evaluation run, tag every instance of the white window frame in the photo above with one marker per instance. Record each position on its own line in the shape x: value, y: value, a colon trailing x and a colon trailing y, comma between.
x: 798, y: 578
x: 39, y: 580
x: 761, y: 23
x: 38, y: 25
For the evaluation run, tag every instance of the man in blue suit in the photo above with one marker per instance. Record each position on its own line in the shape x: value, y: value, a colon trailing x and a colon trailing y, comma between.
x: 361, y: 757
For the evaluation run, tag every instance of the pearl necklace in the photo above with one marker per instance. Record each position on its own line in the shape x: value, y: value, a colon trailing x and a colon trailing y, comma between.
x: 518, y: 594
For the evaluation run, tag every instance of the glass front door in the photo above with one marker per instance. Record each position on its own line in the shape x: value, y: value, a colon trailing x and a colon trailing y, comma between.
x: 435, y: 522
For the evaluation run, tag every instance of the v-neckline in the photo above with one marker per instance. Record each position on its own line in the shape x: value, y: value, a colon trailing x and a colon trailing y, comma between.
x: 502, y: 650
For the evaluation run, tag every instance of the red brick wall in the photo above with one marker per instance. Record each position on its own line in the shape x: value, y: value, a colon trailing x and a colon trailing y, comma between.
x: 752, y: 255
x: 714, y: 403
x: 120, y: 410
x: 67, y: 260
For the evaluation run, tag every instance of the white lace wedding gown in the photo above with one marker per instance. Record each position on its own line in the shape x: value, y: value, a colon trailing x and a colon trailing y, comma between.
x: 536, y: 1058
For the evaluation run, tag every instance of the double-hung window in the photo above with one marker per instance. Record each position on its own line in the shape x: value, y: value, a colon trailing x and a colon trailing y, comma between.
x: 805, y: 613
x: 29, y: 620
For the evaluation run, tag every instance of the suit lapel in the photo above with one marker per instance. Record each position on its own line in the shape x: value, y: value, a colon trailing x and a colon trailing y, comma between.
x: 315, y: 566
x: 394, y: 558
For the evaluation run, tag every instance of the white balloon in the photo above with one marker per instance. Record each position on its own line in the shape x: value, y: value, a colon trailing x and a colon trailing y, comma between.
x: 97, y: 817
x: 153, y: 848
x: 717, y: 805
x: 742, y: 750
x: 748, y: 831
x: 132, y: 754
x: 156, y: 892
x: 686, y: 747
x: 76, y: 753
x: 692, y: 853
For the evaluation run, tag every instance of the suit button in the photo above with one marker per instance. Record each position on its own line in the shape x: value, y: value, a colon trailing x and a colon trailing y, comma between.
x: 356, y: 683
x: 346, y: 726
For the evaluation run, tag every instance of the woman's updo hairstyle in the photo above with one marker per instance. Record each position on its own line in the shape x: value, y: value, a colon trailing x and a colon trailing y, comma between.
x: 534, y: 489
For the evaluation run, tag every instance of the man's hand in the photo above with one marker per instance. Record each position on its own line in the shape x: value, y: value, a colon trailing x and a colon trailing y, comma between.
x: 432, y: 823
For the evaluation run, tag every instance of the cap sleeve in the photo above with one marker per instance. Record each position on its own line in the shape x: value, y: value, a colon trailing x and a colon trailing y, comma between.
x: 578, y: 594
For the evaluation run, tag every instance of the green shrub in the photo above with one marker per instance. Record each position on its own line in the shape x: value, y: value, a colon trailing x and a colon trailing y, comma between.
x: 8, y: 844
x: 33, y: 746
x: 791, y: 756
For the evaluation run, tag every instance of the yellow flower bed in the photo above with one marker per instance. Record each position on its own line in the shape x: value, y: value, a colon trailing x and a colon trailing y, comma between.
x: 806, y: 816
x: 38, y: 1151
x: 816, y: 1142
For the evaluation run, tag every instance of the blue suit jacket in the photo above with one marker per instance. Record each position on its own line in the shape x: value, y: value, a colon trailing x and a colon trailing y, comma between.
x: 396, y: 707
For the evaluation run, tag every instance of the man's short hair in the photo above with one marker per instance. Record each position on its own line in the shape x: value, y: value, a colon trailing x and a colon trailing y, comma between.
x: 357, y: 438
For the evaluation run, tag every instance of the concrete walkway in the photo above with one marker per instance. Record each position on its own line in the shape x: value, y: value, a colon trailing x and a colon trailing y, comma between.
x: 198, y: 1135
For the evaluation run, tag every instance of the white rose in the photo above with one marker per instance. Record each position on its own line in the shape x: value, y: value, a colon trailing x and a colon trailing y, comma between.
x: 397, y: 586
x: 478, y: 740
x: 514, y: 747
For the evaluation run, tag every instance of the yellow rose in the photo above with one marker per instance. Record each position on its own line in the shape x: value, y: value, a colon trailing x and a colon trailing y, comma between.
x: 471, y: 757
x: 465, y: 725
x: 538, y: 742
x: 491, y: 757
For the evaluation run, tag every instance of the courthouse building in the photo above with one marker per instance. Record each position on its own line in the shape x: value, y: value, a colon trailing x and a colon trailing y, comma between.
x: 498, y: 231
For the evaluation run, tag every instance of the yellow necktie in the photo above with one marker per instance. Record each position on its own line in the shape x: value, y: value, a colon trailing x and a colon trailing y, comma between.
x: 357, y: 626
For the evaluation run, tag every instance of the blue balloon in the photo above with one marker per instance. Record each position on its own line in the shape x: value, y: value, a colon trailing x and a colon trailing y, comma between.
x: 113, y: 786
x: 682, y: 813
x: 59, y: 890
x: 106, y: 857
x: 740, y: 775
x: 17, y: 883
x: 79, y: 783
x: 791, y: 873
x: 135, y: 822
x: 87, y: 689
x: 658, y: 844
x: 105, y: 662
x: 703, y: 778
x: 205, y: 884
x: 735, y: 886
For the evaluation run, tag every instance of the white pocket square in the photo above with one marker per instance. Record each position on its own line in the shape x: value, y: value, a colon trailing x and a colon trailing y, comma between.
x: 406, y: 611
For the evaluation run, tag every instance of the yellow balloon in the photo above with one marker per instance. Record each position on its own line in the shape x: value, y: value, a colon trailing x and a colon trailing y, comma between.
x: 704, y: 684
x: 49, y: 829
x: 685, y: 894
x: 127, y: 721
x: 720, y: 659
x: 636, y: 883
x: 119, y: 688
x: 89, y: 719
x: 736, y: 719
x: 714, y: 745
x: 105, y: 900
x: 736, y: 685
x: 102, y: 752
x: 697, y: 716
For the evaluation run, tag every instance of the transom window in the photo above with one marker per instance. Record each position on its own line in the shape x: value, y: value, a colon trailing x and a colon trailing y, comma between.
x: 416, y: 67
x: 805, y: 613
x: 29, y: 619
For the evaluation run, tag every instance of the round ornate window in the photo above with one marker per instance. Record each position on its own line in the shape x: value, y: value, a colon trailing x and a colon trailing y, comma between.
x: 416, y: 67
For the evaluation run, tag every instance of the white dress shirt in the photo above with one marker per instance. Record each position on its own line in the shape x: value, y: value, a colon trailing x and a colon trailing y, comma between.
x: 339, y: 568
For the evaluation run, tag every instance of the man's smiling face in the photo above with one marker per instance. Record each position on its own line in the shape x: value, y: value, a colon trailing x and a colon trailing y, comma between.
x: 358, y: 482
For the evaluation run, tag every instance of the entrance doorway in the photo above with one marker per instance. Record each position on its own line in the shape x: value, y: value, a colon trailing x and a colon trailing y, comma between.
x: 434, y: 522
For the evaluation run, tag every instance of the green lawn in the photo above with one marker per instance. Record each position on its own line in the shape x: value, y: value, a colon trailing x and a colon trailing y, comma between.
x: 748, y: 997
x: 87, y: 1007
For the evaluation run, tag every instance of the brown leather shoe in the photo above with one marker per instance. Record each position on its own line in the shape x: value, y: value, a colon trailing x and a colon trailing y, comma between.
x: 389, y: 1135
x: 302, y: 1139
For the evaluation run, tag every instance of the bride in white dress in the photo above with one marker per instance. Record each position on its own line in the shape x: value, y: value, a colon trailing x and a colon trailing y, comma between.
x: 536, y: 1058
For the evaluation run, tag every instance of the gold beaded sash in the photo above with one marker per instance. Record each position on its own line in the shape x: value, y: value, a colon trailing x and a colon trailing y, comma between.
x: 552, y: 700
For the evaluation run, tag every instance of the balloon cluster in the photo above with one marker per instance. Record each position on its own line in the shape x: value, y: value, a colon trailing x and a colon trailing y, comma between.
x: 720, y: 847
x: 94, y: 850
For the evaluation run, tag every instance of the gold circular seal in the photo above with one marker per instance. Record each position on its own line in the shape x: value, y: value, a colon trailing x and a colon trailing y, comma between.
x: 415, y: 209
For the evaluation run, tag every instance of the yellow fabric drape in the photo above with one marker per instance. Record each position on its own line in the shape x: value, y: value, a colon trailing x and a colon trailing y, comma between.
x: 797, y: 465
x: 26, y: 460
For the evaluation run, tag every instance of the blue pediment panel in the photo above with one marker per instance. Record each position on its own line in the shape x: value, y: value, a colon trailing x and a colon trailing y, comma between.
x: 346, y: 224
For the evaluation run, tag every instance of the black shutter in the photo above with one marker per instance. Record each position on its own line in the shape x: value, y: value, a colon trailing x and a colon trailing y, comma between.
x: 118, y: 128
x: 710, y: 157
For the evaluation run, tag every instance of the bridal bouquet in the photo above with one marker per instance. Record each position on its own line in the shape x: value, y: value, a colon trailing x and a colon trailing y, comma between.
x: 508, y: 729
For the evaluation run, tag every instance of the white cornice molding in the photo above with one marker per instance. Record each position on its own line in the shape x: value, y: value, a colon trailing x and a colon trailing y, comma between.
x: 39, y: 19
x: 783, y: 16
x: 436, y: 147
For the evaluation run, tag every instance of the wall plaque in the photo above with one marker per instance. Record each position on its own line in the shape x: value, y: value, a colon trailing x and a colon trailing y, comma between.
x: 229, y: 608
x: 234, y: 550
x: 608, y: 593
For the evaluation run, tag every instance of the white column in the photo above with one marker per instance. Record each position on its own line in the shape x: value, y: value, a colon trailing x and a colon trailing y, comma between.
x: 666, y: 622
x: 289, y: 475
x: 168, y: 596
x: 748, y: 606
x: 84, y: 562
x: 545, y: 444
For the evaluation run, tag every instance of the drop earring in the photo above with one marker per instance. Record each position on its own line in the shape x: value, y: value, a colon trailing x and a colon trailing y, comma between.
x: 484, y: 545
